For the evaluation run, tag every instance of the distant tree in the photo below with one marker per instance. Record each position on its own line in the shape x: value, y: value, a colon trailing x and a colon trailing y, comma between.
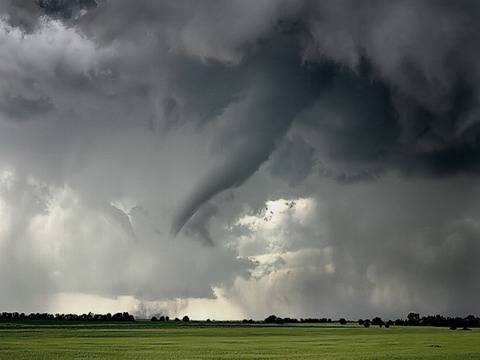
x: 360, y: 322
x: 470, y: 319
x: 176, y: 319
x: 154, y: 318
x: 185, y: 319
x: 342, y: 321
x: 366, y: 323
x: 413, y: 318
x: 270, y: 319
x: 167, y: 318
x: 208, y: 320
x: 162, y: 318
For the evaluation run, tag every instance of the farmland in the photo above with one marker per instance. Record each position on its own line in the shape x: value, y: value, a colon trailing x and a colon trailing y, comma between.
x: 197, y: 340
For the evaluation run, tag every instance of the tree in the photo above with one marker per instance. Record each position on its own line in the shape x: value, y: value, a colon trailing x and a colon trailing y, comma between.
x: 413, y: 318
x: 154, y: 318
x: 185, y: 319
x: 271, y: 319
x: 342, y: 321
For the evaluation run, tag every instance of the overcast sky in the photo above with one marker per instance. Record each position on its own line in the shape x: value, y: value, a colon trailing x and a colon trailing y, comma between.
x: 231, y: 159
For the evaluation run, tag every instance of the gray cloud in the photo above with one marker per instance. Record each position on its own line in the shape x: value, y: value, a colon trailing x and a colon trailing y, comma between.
x: 149, y: 119
x: 198, y: 225
x: 293, y: 160
x: 20, y: 108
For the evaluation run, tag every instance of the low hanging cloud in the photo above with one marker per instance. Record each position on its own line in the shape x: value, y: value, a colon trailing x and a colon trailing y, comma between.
x: 140, y: 134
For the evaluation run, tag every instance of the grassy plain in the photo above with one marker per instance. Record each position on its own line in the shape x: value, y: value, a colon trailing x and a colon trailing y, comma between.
x: 144, y: 340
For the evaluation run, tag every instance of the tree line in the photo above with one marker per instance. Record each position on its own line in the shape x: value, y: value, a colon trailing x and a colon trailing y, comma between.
x: 413, y: 319
x: 15, y: 316
x: 166, y: 318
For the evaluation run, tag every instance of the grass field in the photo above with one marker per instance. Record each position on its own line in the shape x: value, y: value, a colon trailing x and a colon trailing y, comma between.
x: 159, y: 341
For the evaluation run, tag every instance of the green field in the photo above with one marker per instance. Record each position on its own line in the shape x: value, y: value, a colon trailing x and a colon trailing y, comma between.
x: 144, y: 340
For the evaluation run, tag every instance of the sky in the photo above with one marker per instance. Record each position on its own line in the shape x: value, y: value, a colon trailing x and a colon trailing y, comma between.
x: 236, y: 159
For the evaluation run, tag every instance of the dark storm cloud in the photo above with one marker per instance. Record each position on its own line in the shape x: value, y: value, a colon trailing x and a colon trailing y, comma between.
x: 198, y: 225
x: 293, y: 160
x: 279, y: 87
x: 20, y: 108
x: 65, y: 8
x: 399, y: 98
x: 401, y: 90
x: 167, y: 105
x: 21, y: 13
x: 26, y: 14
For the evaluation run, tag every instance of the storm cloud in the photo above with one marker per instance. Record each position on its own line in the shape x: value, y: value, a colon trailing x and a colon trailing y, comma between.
x: 320, y: 155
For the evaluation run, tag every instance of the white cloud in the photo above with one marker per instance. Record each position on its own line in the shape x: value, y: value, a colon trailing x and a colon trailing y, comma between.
x: 273, y: 229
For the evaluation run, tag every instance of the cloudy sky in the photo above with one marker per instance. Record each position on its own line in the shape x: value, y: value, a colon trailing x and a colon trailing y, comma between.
x: 232, y: 159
